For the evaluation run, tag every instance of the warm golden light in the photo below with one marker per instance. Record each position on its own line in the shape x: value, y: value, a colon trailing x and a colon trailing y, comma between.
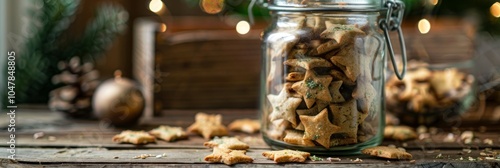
x: 495, y: 9
x: 434, y: 2
x: 243, y: 27
x: 212, y: 6
x: 424, y: 26
x: 163, y: 27
x: 155, y: 5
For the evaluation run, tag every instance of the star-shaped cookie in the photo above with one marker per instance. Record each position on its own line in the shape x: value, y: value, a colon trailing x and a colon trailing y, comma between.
x: 308, y: 63
x: 284, y: 106
x: 168, y: 133
x: 347, y: 117
x: 314, y: 88
x: 286, y: 155
x: 227, y: 143
x: 228, y: 156
x: 134, y: 137
x: 341, y: 33
x: 348, y: 60
x: 208, y: 125
x: 296, y: 138
x: 334, y: 90
x: 245, y: 125
x: 365, y: 93
x: 318, y: 128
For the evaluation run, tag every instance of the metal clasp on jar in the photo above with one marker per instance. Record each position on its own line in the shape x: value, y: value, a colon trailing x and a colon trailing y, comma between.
x: 392, y: 22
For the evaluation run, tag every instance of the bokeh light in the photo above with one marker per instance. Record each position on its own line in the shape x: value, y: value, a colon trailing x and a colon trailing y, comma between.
x: 424, y: 26
x: 243, y: 27
x: 495, y: 9
x: 163, y: 27
x: 155, y: 5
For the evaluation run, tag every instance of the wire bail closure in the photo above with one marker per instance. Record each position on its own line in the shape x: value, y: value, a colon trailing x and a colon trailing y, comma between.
x: 392, y: 22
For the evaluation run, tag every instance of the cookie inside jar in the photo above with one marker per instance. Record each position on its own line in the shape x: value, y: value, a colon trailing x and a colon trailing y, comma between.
x: 323, y: 81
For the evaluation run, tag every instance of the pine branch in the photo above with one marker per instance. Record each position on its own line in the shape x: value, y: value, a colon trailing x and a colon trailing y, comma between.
x: 50, y: 22
x: 110, y: 20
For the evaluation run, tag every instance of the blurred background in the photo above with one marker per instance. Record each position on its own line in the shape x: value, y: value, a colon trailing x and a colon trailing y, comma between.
x: 195, y: 54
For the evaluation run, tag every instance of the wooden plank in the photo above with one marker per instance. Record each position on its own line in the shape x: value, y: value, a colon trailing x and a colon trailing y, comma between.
x: 195, y: 156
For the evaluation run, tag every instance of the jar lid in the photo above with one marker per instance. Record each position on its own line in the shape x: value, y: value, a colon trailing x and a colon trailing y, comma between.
x: 327, y: 5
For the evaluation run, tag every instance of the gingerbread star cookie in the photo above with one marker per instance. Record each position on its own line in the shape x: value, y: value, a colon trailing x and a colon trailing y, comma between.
x: 340, y: 33
x: 208, y: 125
x: 318, y: 128
x: 296, y: 138
x: 314, y: 88
x: 284, y: 156
x: 134, y: 137
x: 284, y: 106
x: 168, y: 133
x: 227, y: 143
x: 245, y: 125
x: 228, y: 156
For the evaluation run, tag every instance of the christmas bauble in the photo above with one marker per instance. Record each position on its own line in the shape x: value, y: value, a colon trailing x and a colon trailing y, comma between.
x: 118, y: 101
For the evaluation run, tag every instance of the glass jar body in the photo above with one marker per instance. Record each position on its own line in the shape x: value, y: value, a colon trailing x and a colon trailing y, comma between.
x: 322, y: 82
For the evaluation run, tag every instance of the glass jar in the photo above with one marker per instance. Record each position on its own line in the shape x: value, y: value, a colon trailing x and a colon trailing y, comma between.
x: 322, y: 86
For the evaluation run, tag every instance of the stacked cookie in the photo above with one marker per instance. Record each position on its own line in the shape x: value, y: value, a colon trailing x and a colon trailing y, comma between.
x: 319, y: 81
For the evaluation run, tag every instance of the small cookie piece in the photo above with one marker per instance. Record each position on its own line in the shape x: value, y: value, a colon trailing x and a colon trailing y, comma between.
x: 245, y: 125
x: 286, y: 155
x: 399, y: 133
x: 208, y: 125
x: 168, y: 133
x: 296, y: 138
x: 313, y: 88
x: 232, y: 143
x: 318, y: 128
x: 387, y: 152
x: 228, y: 156
x: 134, y: 137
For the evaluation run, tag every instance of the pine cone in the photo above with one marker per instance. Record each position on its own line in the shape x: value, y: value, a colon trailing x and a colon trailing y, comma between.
x: 80, y: 81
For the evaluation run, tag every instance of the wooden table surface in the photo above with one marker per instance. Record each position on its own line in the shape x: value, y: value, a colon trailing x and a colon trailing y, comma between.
x: 87, y: 143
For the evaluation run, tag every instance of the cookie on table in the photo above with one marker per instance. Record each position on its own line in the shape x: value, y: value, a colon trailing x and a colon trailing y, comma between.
x: 286, y: 155
x: 134, y: 137
x: 227, y: 143
x: 228, y: 156
x: 399, y: 133
x: 245, y: 125
x: 168, y: 133
x: 208, y: 125
x: 387, y: 152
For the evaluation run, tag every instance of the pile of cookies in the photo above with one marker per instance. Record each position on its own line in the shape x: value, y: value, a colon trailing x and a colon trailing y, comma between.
x: 206, y: 125
x: 319, y: 81
x: 425, y: 90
